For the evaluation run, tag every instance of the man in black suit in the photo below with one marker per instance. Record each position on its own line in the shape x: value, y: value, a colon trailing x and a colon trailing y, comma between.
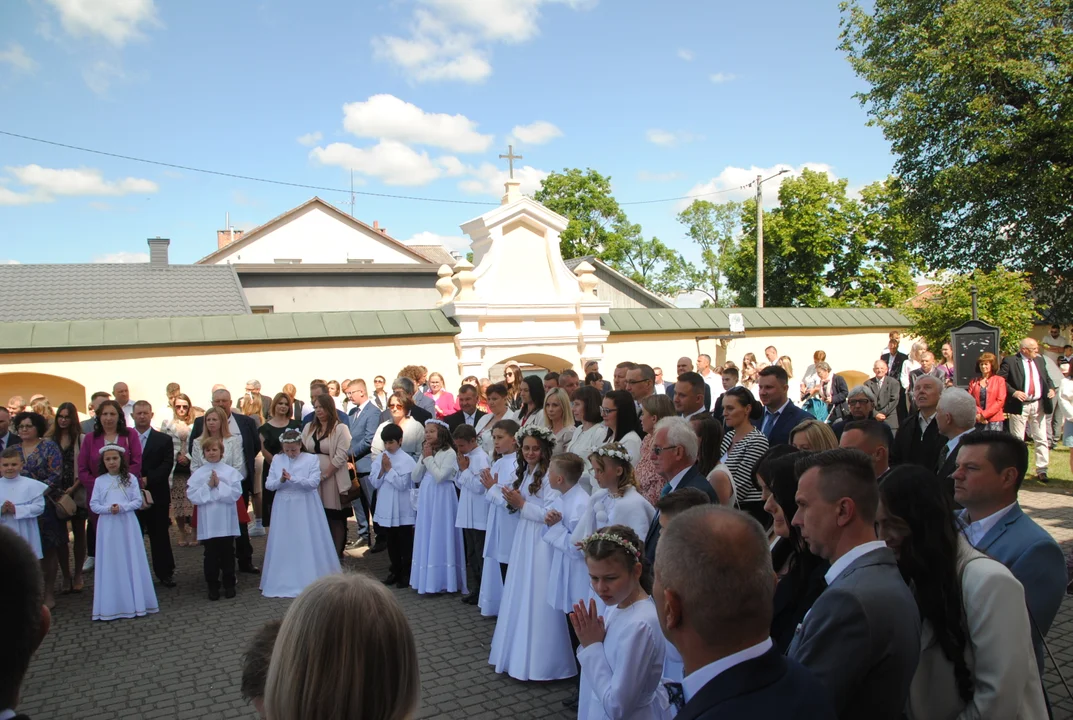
x: 158, y: 459
x: 918, y: 440
x: 24, y: 619
x: 675, y: 448
x: 780, y: 415
x: 956, y: 417
x: 729, y: 378
x: 1029, y: 399
x: 714, y: 591
x: 246, y: 427
x: 468, y: 413
x: 7, y: 438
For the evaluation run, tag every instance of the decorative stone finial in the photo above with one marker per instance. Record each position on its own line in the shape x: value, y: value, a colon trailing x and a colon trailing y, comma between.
x: 465, y: 278
x: 444, y: 285
x: 513, y: 192
x: 586, y: 277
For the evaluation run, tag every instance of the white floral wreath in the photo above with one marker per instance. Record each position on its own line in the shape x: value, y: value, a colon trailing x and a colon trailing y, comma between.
x: 610, y: 450
x: 537, y: 431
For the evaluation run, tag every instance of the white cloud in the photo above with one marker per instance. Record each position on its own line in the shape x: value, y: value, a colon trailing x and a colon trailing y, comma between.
x: 449, y: 39
x: 722, y: 77
x: 310, y: 139
x: 731, y: 181
x: 667, y: 138
x: 390, y: 161
x: 489, y: 180
x: 117, y: 21
x: 100, y: 75
x: 646, y: 176
x: 10, y: 262
x: 685, y: 54
x: 122, y: 257
x: 16, y: 57
x: 386, y: 117
x: 451, y: 242
x: 78, y: 182
x: 10, y: 198
x: 536, y: 133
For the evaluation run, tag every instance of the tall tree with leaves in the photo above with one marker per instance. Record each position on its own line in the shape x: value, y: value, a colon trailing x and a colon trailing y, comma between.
x: 585, y: 199
x: 1005, y: 300
x: 976, y: 102
x: 715, y: 229
x: 651, y: 263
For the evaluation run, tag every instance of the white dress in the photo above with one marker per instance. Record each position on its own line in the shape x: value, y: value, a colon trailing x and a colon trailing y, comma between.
x: 472, y: 507
x: 484, y: 430
x: 217, y: 512
x: 122, y: 586
x: 632, y: 509
x: 569, y: 579
x: 393, y: 506
x: 498, y: 536
x: 28, y: 497
x: 439, y: 560
x: 531, y: 640
x: 300, y: 548
x: 621, y: 676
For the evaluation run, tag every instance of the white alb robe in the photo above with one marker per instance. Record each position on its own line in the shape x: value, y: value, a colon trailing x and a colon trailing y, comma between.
x: 498, y: 536
x: 393, y: 506
x: 122, y: 585
x: 569, y: 579
x: 631, y: 509
x: 28, y: 497
x: 472, y: 507
x: 439, y: 559
x: 621, y: 676
x: 300, y: 548
x: 531, y: 640
x: 217, y: 514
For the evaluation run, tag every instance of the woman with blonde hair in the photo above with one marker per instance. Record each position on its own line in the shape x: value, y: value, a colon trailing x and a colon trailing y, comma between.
x: 793, y: 390
x: 749, y: 371
x: 512, y: 378
x: 437, y: 391
x: 616, y: 499
x: 559, y: 418
x: 813, y: 436
x: 329, y: 440
x: 344, y: 651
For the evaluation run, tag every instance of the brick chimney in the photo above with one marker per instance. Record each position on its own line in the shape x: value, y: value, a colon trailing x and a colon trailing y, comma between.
x: 376, y: 226
x: 158, y: 253
x: 226, y: 237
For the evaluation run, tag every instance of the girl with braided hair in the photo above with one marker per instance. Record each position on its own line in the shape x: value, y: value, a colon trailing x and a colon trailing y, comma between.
x: 531, y: 640
x: 622, y: 650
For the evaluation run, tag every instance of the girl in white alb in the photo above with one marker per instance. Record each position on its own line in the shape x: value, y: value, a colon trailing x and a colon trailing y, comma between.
x: 502, y: 524
x: 439, y: 560
x: 122, y: 586
x: 617, y: 500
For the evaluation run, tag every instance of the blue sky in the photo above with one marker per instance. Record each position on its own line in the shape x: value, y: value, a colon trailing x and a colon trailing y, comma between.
x: 418, y: 97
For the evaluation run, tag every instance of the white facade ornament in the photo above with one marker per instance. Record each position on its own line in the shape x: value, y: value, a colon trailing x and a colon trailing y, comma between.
x: 586, y: 277
x: 464, y: 279
x: 444, y: 285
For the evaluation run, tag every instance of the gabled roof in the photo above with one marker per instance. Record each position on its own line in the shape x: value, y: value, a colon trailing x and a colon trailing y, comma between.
x: 252, y: 235
x: 606, y: 272
x: 104, y: 291
x: 437, y: 254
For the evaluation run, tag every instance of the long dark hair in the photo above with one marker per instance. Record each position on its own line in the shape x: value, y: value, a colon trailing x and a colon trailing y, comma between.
x: 546, y: 449
x: 121, y: 423
x: 928, y: 559
x: 710, y: 433
x: 74, y: 429
x: 536, y: 395
x: 444, y: 441
x: 776, y: 467
x: 626, y: 417
x: 745, y: 397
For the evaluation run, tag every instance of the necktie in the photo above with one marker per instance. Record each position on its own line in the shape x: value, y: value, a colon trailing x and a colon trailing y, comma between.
x: 944, y: 453
x: 665, y: 491
x: 1031, y: 380
x: 675, y: 694
x: 769, y: 422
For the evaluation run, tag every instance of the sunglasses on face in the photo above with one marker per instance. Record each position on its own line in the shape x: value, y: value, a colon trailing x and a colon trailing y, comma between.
x: 657, y: 450
x: 182, y: 407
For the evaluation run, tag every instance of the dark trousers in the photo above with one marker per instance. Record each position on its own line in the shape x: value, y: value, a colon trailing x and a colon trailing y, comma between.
x: 91, y: 537
x: 503, y: 571
x: 243, y: 548
x: 474, y: 541
x: 219, y: 560
x: 400, y: 549
x: 155, y: 522
x: 267, y: 498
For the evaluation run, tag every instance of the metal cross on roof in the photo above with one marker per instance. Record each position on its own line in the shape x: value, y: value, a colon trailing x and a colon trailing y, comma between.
x: 510, y: 157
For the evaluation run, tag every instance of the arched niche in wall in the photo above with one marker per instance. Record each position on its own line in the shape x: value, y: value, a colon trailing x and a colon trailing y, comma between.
x: 57, y: 389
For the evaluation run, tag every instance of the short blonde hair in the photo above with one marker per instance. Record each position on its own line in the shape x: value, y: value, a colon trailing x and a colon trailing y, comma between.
x: 344, y: 651
x: 819, y: 434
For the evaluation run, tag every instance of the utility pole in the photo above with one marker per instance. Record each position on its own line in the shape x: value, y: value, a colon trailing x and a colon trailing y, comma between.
x: 759, y: 242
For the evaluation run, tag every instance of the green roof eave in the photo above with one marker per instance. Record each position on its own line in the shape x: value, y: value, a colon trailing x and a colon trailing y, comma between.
x: 714, y: 320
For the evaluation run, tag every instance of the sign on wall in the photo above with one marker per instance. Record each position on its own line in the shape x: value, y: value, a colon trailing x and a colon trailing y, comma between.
x: 969, y: 342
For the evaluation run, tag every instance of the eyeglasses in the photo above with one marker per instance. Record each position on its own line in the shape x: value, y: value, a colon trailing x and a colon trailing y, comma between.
x: 860, y: 402
x: 657, y: 450
x: 24, y: 426
x: 182, y: 407
x: 607, y: 411
x: 635, y: 382
x: 394, y: 406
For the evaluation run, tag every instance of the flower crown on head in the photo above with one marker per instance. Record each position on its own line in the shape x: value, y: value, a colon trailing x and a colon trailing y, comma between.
x: 538, y: 431
x: 437, y: 421
x: 616, y: 539
x: 611, y: 451
x: 112, y: 446
x: 290, y: 435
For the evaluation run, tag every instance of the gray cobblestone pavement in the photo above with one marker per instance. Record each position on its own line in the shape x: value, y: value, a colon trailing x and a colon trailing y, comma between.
x: 185, y: 662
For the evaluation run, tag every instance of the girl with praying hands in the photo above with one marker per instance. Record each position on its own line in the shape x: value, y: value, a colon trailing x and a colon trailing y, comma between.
x: 439, y: 559
x: 300, y: 548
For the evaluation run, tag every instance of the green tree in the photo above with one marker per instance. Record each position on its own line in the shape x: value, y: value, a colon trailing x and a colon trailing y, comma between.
x: 651, y: 263
x: 715, y: 228
x: 976, y: 102
x: 1005, y: 300
x: 585, y: 199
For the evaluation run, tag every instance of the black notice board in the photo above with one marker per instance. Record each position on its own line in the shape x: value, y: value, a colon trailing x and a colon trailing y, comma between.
x: 970, y: 341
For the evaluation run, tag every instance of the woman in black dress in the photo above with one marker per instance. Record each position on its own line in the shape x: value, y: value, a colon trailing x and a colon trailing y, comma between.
x: 66, y: 432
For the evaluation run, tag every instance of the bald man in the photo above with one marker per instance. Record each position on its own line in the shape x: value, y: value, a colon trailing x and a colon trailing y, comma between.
x: 1029, y: 399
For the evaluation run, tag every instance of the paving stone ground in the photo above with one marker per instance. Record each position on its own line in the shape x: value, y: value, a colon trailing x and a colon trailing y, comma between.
x: 185, y: 662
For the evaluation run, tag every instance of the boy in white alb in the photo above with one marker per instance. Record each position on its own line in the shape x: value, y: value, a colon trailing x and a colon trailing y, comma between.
x: 22, y: 499
x: 499, y: 533
x: 215, y: 488
x: 391, y: 477
x: 472, y: 507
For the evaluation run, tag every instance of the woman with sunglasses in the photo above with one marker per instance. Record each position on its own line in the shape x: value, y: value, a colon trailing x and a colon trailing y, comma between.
x: 66, y: 432
x: 178, y: 428
x: 512, y: 378
x: 413, y: 433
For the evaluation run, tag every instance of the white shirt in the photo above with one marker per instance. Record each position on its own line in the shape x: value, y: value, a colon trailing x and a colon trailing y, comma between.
x: 974, y: 531
x: 1060, y: 342
x: 696, y: 412
x: 678, y: 478
x: 715, y: 382
x: 128, y: 413
x: 1031, y: 379
x: 660, y: 389
x: 839, y: 566
x: 952, y: 443
x: 7, y: 714
x: 143, y: 436
x: 923, y: 422
x: 694, y: 681
x: 232, y: 425
x: 467, y: 418
x: 775, y: 415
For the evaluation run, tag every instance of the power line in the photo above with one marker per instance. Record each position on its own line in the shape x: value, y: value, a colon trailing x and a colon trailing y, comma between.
x: 322, y: 188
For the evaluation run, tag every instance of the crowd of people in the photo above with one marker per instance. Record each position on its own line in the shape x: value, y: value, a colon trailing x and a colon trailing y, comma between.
x: 684, y: 548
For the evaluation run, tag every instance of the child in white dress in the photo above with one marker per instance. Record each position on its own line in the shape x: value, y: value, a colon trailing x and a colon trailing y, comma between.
x: 122, y: 586
x: 531, y: 640
x: 215, y: 488
x: 439, y: 560
x: 621, y: 652
x: 499, y: 535
x: 472, y: 517
x: 569, y: 581
x: 392, y: 477
x: 618, y: 500
x: 300, y: 548
x: 22, y: 499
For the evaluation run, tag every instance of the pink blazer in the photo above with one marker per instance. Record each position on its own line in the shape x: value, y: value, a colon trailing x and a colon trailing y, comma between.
x: 89, y: 457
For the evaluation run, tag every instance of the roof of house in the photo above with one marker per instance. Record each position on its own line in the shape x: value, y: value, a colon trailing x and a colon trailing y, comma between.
x: 105, y: 291
x: 436, y: 254
x: 631, y: 320
x: 607, y: 273
x: 251, y: 235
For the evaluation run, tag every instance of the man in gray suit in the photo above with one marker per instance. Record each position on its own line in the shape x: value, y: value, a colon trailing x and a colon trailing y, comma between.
x: 364, y: 418
x: 862, y: 636
x: 94, y: 402
x: 886, y: 390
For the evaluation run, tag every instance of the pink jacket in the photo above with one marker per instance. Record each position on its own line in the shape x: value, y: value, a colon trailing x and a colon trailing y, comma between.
x: 89, y: 457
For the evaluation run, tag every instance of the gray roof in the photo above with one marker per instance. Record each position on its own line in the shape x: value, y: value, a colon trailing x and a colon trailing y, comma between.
x: 608, y: 274
x: 104, y: 291
x: 437, y: 254
x: 629, y: 320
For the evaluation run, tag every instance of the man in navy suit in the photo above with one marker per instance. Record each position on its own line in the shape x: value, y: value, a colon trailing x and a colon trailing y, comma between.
x: 158, y: 459
x: 25, y: 620
x: 7, y: 438
x: 780, y: 415
x: 991, y: 466
x: 468, y: 413
x: 363, y: 420
x: 714, y: 591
